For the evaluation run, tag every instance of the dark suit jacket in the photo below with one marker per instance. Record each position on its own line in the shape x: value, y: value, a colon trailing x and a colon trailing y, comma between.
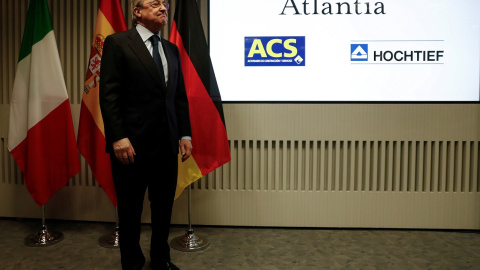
x: 134, y: 100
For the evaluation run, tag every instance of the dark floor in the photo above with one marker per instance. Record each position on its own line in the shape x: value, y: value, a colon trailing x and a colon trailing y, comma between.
x: 249, y: 248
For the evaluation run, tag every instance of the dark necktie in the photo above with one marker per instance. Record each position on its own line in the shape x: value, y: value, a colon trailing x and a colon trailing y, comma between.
x: 156, y: 55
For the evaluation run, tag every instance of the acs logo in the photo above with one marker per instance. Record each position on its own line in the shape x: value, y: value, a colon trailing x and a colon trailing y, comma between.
x: 274, y: 51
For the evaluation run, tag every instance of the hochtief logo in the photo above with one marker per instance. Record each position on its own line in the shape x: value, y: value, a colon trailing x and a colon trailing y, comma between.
x: 399, y: 52
x: 275, y: 51
x: 359, y: 52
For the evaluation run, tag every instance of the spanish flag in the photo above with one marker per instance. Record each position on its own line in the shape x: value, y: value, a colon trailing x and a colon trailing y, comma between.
x: 91, y: 135
x: 41, y: 137
x: 209, y: 135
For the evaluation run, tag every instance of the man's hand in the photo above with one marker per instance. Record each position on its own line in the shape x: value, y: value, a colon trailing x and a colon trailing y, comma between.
x: 124, y: 150
x: 185, y: 149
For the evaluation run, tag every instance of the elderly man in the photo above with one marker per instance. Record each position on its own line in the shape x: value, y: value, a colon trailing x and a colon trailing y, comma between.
x: 145, y: 112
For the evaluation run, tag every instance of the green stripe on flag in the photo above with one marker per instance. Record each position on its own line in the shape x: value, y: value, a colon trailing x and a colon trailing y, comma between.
x: 37, y: 26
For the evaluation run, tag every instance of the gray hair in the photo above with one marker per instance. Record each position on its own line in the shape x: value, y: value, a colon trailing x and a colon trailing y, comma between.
x: 134, y: 4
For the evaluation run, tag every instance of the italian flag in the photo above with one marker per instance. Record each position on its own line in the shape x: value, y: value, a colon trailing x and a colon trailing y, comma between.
x: 91, y: 135
x: 209, y: 135
x: 41, y: 136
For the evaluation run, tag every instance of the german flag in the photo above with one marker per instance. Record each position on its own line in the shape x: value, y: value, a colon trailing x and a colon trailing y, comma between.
x: 91, y: 135
x: 209, y: 135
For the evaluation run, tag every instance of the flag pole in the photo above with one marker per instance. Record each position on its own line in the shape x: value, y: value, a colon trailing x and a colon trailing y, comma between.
x: 189, y: 242
x: 44, y: 237
x: 111, y: 240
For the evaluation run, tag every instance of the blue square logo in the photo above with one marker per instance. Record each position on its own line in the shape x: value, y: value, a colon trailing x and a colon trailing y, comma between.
x: 359, y: 52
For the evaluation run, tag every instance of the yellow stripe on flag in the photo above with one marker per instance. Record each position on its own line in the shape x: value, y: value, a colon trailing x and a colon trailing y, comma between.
x: 188, y: 172
x: 103, y: 28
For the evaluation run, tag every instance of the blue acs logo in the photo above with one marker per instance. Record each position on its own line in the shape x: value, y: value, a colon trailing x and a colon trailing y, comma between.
x: 274, y: 51
x: 359, y: 52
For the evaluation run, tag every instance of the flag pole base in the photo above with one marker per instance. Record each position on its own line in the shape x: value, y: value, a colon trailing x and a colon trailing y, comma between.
x: 44, y: 238
x: 110, y: 240
x: 189, y: 242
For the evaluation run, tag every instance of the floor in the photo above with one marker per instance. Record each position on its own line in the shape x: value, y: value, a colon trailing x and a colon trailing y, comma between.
x: 248, y: 248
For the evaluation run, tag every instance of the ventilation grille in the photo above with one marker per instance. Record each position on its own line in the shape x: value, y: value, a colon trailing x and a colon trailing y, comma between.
x: 402, y: 166
x: 397, y: 166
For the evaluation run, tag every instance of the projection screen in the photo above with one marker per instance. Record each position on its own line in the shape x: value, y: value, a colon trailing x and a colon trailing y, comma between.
x: 390, y: 50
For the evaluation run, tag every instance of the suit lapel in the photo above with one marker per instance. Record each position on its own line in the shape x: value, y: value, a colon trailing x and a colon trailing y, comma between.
x: 140, y: 50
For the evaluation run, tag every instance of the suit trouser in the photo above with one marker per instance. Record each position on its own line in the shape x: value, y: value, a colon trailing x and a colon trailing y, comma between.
x: 158, y: 172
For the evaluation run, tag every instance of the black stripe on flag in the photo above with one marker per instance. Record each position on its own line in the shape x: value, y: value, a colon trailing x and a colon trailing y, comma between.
x: 189, y: 26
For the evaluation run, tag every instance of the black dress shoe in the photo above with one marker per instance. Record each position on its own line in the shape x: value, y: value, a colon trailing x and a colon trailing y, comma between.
x: 133, y: 267
x: 171, y: 266
x: 133, y: 264
x: 164, y: 266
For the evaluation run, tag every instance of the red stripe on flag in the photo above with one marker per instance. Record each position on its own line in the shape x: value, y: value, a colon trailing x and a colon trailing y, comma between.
x: 92, y: 147
x: 114, y: 14
x: 48, y: 156
x: 91, y: 141
x: 209, y: 136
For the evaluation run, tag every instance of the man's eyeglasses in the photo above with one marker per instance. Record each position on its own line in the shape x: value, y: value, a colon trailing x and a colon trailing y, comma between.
x: 157, y: 4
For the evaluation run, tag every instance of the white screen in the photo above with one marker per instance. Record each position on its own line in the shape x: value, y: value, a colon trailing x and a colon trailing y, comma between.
x: 418, y: 50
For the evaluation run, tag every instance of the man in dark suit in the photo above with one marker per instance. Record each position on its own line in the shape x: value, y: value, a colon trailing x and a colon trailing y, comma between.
x: 145, y: 111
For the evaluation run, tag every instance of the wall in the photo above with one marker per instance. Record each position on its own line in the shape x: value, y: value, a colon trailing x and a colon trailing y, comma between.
x: 299, y: 165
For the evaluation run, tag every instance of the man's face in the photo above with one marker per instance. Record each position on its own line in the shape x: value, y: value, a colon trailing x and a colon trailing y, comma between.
x: 153, y: 15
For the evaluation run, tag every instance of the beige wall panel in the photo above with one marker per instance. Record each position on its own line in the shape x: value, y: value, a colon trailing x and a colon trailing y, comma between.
x: 70, y: 203
x: 336, y: 209
x: 353, y: 121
